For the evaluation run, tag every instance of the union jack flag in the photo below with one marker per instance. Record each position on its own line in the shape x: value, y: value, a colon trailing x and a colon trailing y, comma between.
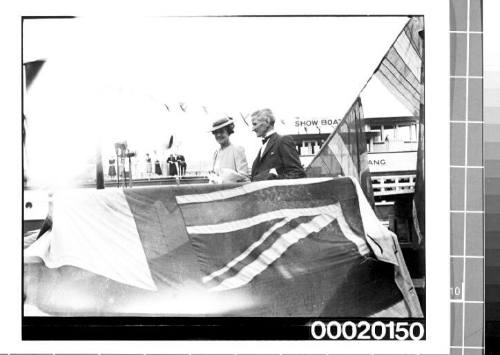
x: 250, y: 232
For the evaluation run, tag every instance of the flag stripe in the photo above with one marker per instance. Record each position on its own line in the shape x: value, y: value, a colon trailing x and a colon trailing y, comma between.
x: 267, y: 239
x: 232, y: 226
x: 401, y: 67
x: 272, y: 254
x: 407, y: 51
x: 245, y: 189
x: 390, y: 70
x: 336, y: 214
x: 394, y: 83
x: 269, y: 199
x: 254, y: 246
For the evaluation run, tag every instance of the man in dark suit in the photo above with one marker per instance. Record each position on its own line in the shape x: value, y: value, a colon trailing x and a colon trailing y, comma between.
x: 277, y: 158
x: 182, y: 164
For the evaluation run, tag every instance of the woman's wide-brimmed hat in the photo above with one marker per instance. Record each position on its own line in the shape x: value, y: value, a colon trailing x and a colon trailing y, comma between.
x: 222, y: 122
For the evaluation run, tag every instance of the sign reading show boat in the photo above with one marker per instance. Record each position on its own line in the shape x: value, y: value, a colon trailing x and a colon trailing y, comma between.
x: 328, y: 124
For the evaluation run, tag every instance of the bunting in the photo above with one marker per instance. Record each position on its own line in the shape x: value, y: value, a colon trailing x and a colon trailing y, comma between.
x: 400, y: 69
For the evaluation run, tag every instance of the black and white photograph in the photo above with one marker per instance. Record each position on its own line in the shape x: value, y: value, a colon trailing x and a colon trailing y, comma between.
x: 229, y: 177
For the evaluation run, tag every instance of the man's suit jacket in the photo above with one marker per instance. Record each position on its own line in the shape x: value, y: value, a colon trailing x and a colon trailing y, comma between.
x: 280, y: 154
x: 181, y: 160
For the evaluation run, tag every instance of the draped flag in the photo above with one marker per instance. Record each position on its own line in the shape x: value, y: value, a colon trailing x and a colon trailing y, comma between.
x: 400, y: 69
x: 344, y: 151
x: 284, y: 248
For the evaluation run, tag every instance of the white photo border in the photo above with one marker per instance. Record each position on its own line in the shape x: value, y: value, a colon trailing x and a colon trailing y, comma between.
x: 437, y: 175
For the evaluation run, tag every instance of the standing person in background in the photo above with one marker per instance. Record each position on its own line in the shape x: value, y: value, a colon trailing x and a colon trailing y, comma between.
x: 158, y: 168
x: 229, y: 163
x: 111, y: 168
x: 172, y: 166
x: 149, y: 166
x: 121, y: 167
x: 278, y: 157
x: 182, y: 164
x: 157, y: 165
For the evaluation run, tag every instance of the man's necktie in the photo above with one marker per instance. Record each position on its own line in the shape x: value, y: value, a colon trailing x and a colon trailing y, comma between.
x: 264, y: 140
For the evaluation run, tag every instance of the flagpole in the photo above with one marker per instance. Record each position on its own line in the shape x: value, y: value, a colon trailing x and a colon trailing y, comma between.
x: 98, y: 169
x: 419, y: 194
x: 117, y: 166
x: 129, y: 168
x: 357, y: 127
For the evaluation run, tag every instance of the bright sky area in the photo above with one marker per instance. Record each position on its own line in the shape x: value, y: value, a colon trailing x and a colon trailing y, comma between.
x: 109, y: 80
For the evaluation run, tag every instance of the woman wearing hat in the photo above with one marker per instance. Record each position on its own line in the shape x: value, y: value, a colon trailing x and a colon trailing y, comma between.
x: 229, y: 162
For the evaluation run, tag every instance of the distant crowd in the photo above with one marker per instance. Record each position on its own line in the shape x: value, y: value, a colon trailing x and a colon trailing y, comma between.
x: 150, y: 167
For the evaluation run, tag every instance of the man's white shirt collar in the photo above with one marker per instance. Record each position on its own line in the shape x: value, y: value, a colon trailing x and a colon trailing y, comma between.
x: 265, y: 144
x: 270, y: 132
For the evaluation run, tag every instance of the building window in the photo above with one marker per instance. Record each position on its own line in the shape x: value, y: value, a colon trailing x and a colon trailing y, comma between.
x: 389, y: 133
x: 377, y: 138
x: 310, y: 147
x: 407, y: 133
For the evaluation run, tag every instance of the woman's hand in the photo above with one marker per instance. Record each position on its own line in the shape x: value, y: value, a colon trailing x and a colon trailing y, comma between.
x: 213, y: 178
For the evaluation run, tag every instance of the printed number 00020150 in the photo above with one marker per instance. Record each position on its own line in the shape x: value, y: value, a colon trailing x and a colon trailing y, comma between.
x: 363, y: 330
